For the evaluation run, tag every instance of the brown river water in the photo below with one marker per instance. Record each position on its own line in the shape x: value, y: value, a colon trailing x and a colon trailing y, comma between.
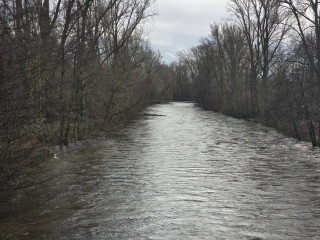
x: 188, y: 174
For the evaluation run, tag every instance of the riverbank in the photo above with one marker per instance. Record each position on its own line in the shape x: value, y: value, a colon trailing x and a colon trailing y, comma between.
x: 297, y: 128
x: 30, y: 152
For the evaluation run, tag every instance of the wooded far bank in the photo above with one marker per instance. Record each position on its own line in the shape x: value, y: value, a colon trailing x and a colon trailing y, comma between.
x: 262, y: 65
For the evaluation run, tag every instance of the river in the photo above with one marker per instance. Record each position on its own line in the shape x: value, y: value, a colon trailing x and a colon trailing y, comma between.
x: 187, y: 174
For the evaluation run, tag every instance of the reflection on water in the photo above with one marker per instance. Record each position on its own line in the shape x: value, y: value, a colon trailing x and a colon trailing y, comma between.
x: 190, y: 174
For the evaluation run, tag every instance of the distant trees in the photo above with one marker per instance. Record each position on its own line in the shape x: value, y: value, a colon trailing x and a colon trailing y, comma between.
x: 172, y: 82
x: 264, y: 66
x: 68, y: 67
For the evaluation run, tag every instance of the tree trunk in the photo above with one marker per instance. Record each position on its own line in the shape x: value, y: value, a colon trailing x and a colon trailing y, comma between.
x: 253, y: 90
x: 295, y: 129
x: 311, y: 129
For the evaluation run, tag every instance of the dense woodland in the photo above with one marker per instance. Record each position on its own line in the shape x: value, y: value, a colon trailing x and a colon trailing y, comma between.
x: 69, y: 68
x: 262, y: 65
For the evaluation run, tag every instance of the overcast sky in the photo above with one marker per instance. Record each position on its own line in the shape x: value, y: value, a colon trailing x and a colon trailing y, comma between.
x: 180, y: 24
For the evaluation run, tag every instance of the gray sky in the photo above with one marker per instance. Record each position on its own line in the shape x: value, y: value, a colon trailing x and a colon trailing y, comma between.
x: 180, y: 24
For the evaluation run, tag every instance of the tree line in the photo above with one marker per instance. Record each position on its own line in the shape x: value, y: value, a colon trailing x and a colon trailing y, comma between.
x: 69, y: 68
x: 263, y: 65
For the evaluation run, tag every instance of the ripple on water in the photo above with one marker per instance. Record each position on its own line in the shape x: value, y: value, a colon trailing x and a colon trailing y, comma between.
x: 189, y: 174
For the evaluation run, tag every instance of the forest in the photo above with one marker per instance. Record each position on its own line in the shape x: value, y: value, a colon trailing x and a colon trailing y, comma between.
x: 263, y: 65
x: 71, y: 68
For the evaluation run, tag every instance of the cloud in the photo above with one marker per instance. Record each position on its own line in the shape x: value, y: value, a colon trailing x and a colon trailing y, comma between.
x: 181, y: 24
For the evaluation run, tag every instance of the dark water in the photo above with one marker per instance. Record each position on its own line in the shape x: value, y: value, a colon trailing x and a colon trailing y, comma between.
x: 190, y: 174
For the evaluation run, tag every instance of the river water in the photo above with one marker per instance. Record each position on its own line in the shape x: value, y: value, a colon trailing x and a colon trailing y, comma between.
x: 188, y: 174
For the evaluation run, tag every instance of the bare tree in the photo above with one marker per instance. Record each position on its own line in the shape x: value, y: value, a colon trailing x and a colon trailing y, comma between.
x: 57, y: 62
x: 264, y: 26
x: 306, y: 25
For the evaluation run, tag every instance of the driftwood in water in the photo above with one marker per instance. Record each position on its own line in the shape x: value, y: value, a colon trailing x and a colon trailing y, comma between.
x: 153, y: 115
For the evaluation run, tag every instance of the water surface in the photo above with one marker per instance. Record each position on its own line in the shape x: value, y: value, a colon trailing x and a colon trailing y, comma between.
x: 190, y: 174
